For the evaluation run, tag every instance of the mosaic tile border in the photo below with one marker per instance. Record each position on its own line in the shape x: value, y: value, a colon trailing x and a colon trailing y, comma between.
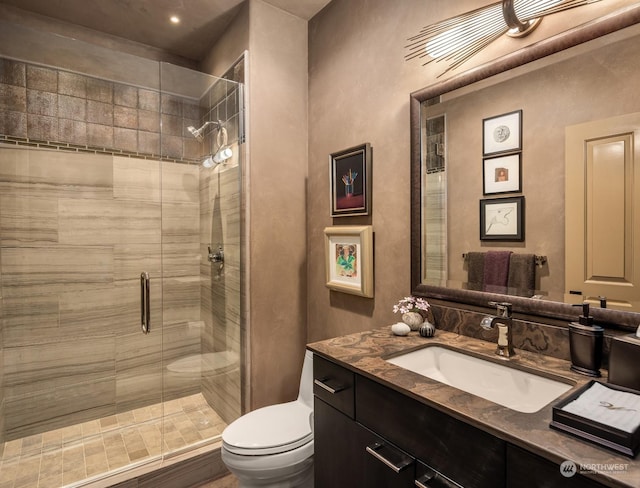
x: 65, y: 146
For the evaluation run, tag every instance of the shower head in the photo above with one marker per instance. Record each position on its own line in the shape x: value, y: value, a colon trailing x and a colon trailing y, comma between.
x: 199, y: 133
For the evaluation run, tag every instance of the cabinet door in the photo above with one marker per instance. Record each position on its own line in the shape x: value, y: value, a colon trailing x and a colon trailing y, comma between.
x: 339, y: 455
x: 526, y: 470
x: 349, y: 455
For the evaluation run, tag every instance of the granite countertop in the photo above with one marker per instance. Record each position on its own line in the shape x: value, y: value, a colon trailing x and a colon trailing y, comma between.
x: 365, y: 354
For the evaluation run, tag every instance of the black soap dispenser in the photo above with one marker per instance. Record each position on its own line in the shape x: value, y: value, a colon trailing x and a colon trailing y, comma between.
x: 585, y: 342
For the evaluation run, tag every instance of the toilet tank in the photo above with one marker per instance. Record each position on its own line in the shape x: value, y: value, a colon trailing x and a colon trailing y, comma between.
x: 305, y: 393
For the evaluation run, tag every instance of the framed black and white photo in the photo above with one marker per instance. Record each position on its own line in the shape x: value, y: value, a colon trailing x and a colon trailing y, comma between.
x: 502, y: 219
x: 502, y: 133
x: 502, y: 174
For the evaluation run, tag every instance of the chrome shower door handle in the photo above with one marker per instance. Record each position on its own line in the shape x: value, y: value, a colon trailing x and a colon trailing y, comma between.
x: 145, y: 308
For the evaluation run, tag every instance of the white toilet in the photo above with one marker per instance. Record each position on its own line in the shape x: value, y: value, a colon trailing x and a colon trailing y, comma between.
x: 273, y: 446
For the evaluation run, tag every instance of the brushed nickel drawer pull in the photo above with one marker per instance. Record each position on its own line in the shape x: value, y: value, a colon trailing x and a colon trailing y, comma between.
x: 376, y: 446
x: 438, y: 479
x: 326, y: 387
x: 419, y: 483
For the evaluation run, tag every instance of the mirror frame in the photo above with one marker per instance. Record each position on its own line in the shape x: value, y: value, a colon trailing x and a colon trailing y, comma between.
x: 608, y: 24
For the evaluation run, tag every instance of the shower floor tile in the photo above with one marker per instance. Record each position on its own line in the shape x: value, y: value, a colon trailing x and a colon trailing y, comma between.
x: 67, y: 456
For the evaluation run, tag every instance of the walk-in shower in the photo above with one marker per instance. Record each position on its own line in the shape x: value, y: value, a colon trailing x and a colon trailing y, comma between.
x: 120, y: 341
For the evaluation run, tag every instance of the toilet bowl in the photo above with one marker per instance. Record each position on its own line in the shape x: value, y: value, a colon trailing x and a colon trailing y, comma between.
x: 272, y: 447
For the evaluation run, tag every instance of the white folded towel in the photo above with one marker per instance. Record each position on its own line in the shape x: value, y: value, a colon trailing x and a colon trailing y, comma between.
x: 607, y: 406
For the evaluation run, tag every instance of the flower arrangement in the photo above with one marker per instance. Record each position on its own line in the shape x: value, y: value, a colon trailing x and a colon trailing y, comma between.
x: 412, y: 304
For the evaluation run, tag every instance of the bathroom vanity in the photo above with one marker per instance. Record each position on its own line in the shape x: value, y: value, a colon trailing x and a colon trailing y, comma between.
x: 379, y: 425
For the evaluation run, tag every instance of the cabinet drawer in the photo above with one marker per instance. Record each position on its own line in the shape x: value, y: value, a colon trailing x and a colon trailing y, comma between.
x: 334, y: 384
x: 465, y: 454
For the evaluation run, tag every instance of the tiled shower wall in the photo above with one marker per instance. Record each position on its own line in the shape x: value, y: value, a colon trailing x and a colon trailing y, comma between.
x: 48, y: 104
x: 220, y: 224
x: 220, y: 284
x: 77, y: 229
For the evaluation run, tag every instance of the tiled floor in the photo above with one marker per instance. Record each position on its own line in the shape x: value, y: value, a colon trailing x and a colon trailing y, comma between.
x: 65, y: 456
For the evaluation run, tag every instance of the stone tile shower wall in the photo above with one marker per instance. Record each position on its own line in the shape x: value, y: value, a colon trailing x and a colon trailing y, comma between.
x: 76, y: 232
x: 220, y: 291
x: 87, y: 202
x: 45, y: 104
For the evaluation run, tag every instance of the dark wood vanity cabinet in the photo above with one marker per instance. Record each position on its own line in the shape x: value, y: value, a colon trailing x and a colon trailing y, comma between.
x: 386, y: 439
x: 369, y: 435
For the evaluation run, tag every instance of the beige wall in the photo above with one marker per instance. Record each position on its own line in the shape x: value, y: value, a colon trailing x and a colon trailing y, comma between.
x: 230, y: 46
x: 359, y: 92
x: 359, y: 85
x: 276, y: 172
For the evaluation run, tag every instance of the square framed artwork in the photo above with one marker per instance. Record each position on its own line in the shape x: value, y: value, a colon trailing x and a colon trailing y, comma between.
x: 502, y: 219
x: 349, y: 259
x: 502, y: 133
x: 350, y: 183
x: 502, y: 174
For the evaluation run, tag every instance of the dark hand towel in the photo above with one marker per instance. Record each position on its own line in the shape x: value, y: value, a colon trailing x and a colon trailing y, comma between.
x: 522, y: 274
x: 475, y: 266
x: 496, y: 270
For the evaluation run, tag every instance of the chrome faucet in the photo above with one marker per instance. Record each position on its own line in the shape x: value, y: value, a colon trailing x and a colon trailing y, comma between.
x: 503, y: 321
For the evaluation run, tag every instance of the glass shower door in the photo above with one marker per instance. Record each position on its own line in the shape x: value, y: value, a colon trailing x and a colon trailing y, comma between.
x: 82, y: 383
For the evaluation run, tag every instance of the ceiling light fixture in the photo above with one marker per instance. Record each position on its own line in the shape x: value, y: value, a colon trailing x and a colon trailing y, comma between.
x: 174, y: 19
x: 455, y: 40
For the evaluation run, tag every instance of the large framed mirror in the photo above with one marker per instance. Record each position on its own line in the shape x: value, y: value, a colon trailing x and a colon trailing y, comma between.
x: 587, y: 73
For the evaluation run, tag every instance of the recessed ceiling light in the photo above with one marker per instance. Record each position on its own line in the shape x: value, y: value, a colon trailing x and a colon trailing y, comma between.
x: 174, y: 19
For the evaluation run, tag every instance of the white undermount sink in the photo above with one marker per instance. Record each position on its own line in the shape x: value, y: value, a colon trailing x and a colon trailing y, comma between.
x: 499, y: 383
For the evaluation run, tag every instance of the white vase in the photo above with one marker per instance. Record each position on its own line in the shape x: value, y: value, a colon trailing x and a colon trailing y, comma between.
x: 412, y: 319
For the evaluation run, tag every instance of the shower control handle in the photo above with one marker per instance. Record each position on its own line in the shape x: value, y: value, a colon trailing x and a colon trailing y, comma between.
x: 216, y: 257
x: 145, y: 308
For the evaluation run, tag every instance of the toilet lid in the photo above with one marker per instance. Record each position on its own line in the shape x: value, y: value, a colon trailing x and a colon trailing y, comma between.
x: 270, y: 430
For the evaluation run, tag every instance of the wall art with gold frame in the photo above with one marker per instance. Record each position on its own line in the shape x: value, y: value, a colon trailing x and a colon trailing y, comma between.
x: 349, y: 259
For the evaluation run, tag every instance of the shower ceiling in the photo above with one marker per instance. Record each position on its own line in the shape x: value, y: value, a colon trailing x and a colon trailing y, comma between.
x: 147, y: 21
